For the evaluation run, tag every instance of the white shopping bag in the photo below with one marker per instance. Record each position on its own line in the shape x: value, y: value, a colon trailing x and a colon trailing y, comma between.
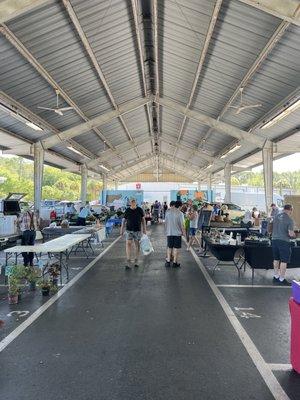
x: 146, y: 245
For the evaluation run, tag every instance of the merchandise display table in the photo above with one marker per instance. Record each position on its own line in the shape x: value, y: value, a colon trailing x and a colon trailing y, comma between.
x: 61, y: 246
x: 225, y: 253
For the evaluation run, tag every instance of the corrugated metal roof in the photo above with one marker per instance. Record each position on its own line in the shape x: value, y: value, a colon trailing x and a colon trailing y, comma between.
x: 240, y: 34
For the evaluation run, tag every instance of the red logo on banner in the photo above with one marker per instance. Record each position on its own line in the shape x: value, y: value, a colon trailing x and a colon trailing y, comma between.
x: 138, y: 186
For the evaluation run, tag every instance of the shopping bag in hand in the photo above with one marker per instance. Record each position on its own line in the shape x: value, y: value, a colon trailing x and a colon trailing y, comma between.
x: 146, y: 245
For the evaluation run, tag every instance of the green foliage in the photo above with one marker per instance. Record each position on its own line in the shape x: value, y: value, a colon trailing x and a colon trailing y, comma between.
x: 32, y: 274
x: 57, y: 184
x: 13, y: 285
x: 287, y: 180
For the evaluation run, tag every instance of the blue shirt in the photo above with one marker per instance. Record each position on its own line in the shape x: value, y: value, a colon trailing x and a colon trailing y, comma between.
x: 84, y: 213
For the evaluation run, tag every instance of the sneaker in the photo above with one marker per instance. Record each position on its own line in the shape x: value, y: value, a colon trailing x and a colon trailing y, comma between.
x: 167, y: 264
x: 284, y: 282
x: 275, y: 280
x: 127, y: 268
x: 176, y: 265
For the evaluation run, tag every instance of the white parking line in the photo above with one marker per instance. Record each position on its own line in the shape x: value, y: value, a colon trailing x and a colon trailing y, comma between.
x: 280, y: 367
x: 255, y: 286
x: 263, y: 368
x: 16, y: 332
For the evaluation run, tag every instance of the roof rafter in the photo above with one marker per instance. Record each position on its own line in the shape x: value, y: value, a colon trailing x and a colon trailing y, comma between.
x: 208, y: 37
x: 277, y: 35
x: 96, y: 65
x: 93, y: 122
x: 141, y: 57
x: 42, y: 71
x: 222, y: 127
x: 122, y: 149
x: 16, y: 106
x: 155, y: 45
x: 172, y: 141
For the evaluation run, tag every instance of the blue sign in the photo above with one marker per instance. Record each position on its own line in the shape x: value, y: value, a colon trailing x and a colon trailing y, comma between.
x: 121, y: 198
x: 195, y: 195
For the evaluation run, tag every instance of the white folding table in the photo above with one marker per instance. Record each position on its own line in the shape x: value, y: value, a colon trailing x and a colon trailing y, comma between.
x: 62, y: 246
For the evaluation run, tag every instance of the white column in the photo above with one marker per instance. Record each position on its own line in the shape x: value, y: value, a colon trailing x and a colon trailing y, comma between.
x: 38, y: 153
x: 116, y: 185
x: 84, y: 178
x: 209, y: 181
x: 227, y: 179
x: 267, y: 156
x: 104, y: 188
x: 198, y: 186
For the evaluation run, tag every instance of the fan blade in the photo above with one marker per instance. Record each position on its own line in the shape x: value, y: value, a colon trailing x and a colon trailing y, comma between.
x: 46, y: 108
x: 233, y: 107
x: 58, y: 111
x: 65, y: 108
x: 250, y: 106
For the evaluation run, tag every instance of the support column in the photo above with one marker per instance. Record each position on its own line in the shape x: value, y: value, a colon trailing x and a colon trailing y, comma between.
x: 104, y: 188
x: 38, y: 153
x: 116, y: 185
x: 267, y: 157
x: 198, y: 186
x: 209, y: 187
x: 84, y: 178
x: 209, y: 181
x: 227, y: 179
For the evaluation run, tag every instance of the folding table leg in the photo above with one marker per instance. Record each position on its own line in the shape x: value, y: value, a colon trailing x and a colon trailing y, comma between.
x: 60, y: 266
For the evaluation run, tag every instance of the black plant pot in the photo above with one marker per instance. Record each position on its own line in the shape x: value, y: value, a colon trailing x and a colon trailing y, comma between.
x: 45, y: 292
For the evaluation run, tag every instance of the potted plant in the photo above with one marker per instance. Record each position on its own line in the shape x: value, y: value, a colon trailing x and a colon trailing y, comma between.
x: 54, y: 271
x: 32, y: 276
x: 53, y: 288
x: 45, y: 286
x: 13, y: 290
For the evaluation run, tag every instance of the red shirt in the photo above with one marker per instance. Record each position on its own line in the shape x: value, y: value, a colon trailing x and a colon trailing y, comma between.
x: 53, y: 214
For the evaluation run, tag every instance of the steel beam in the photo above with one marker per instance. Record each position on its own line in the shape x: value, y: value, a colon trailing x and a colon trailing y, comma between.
x: 172, y: 141
x: 222, y: 127
x: 227, y: 179
x: 267, y: 158
x: 19, y: 108
x: 141, y: 57
x: 38, y: 167
x: 94, y: 122
x: 277, y: 35
x: 95, y: 63
x: 42, y: 71
x: 122, y: 149
x: 83, y: 186
x: 208, y: 37
x: 155, y: 45
x: 287, y: 10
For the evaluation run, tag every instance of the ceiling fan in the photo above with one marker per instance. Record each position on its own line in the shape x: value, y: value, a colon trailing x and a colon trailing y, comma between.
x: 58, y: 110
x: 244, y: 106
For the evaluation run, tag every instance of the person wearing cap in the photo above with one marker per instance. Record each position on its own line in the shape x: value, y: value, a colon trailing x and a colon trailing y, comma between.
x: 134, y: 224
x: 283, y: 230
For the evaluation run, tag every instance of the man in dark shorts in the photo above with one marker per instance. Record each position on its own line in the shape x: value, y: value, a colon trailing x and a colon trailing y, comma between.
x: 174, y: 226
x: 283, y: 230
x: 134, y: 220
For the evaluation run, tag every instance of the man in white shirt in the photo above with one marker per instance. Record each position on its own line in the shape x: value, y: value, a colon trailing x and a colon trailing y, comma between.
x: 174, y: 227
